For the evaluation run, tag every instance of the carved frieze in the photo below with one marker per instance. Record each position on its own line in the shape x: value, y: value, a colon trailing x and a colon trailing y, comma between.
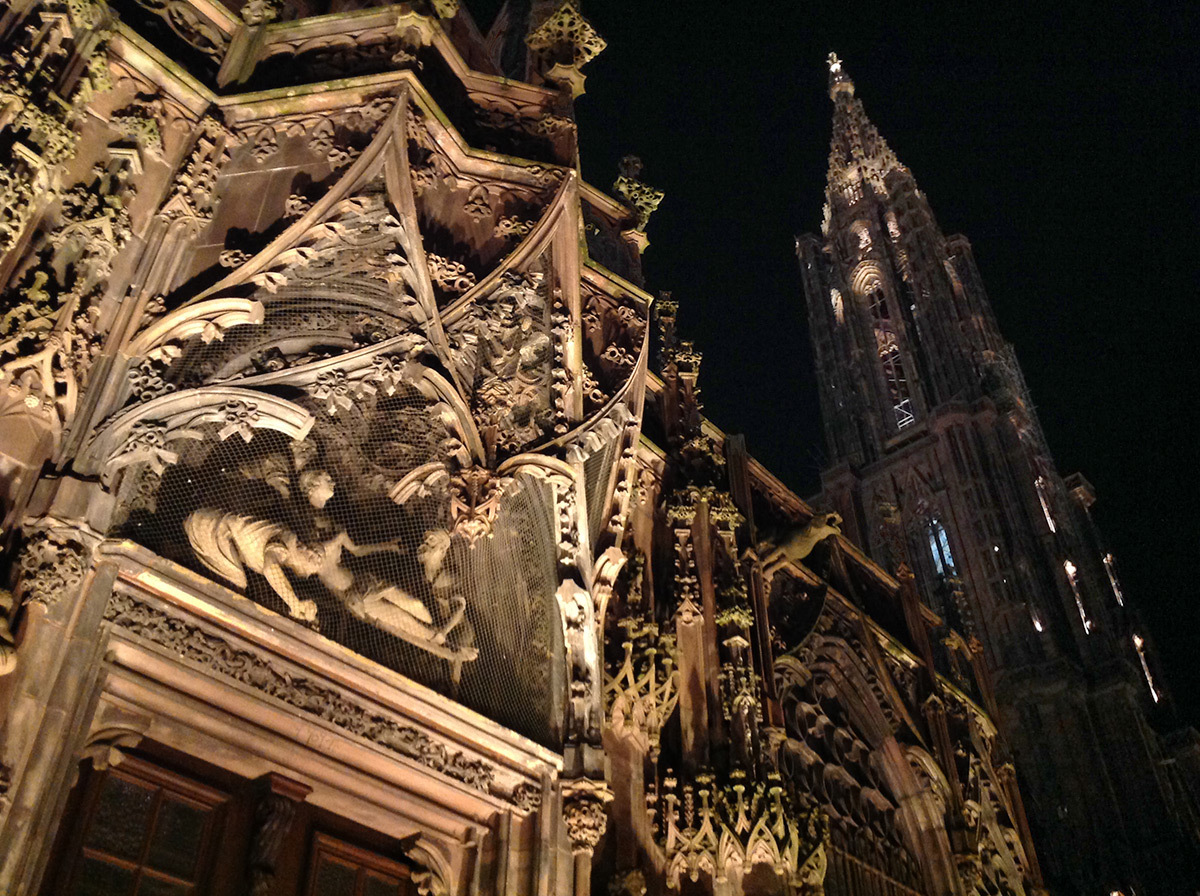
x: 217, y: 656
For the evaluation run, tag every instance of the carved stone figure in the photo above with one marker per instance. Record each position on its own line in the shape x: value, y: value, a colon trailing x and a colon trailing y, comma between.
x: 801, y: 542
x: 400, y: 613
x: 231, y: 543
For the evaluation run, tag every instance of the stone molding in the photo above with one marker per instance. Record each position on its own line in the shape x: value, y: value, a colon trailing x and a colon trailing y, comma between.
x: 191, y: 642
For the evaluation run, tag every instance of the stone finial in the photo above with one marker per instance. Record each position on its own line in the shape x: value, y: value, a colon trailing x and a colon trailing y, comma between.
x: 839, y: 81
x: 642, y: 198
x: 563, y: 42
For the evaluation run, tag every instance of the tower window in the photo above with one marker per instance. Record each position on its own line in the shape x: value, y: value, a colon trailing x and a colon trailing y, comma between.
x: 1044, y: 498
x: 835, y: 302
x: 1073, y: 577
x: 889, y: 358
x: 1139, y: 645
x: 1111, y: 569
x: 939, y: 548
x: 877, y: 302
x: 897, y: 384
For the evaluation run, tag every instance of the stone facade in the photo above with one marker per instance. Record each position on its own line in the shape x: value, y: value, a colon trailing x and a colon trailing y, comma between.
x: 362, y: 528
x: 938, y: 463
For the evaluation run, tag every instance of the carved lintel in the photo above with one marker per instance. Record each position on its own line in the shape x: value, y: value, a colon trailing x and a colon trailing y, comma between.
x: 193, y: 644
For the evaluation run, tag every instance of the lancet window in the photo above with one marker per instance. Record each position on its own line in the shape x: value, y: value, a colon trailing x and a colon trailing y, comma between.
x: 939, y: 548
x: 1111, y: 568
x: 1044, y: 499
x: 894, y: 375
x: 1139, y: 644
x: 1073, y: 578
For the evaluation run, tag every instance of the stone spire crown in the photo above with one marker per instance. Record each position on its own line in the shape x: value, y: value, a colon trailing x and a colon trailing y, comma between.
x: 856, y: 151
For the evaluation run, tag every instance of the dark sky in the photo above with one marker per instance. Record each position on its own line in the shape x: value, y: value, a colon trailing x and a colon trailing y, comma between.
x: 1061, y: 139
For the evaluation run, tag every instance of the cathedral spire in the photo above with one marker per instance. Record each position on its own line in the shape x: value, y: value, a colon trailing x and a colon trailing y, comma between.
x: 856, y: 151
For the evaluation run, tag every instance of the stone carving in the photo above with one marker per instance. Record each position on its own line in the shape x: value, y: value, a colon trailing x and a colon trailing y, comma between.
x: 273, y: 818
x: 8, y: 647
x: 734, y: 826
x: 50, y: 566
x: 216, y: 655
x: 642, y: 198
x: 583, y: 662
x: 197, y: 31
x: 230, y: 544
x: 800, y: 543
x: 506, y: 347
x: 429, y: 878
x: 564, y: 42
x: 52, y: 336
x: 260, y: 12
x: 512, y: 228
x: 322, y: 131
x: 407, y: 617
x: 643, y: 692
x: 585, y: 812
x: 451, y: 276
x: 146, y: 443
x: 627, y: 883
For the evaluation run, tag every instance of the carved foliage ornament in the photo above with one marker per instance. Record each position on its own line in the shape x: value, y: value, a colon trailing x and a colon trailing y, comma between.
x: 585, y: 812
x: 50, y: 566
x: 565, y: 36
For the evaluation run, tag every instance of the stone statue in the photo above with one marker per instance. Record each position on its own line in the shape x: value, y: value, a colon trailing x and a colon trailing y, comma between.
x: 394, y: 610
x: 230, y: 543
x: 800, y: 543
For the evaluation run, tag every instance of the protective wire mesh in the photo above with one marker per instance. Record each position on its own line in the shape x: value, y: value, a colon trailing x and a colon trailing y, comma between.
x: 597, y: 470
x: 300, y: 325
x: 307, y: 529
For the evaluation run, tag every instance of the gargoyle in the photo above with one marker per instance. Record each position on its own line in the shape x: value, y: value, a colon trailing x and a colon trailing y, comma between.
x: 800, y: 543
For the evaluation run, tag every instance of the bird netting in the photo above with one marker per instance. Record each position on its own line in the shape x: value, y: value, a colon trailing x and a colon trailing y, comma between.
x: 307, y: 528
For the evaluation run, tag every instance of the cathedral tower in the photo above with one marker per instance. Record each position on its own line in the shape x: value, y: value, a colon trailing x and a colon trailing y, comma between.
x: 937, y: 462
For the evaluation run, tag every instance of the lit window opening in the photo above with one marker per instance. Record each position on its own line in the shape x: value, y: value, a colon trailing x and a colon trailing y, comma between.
x: 897, y: 383
x: 939, y: 547
x: 1139, y: 645
x: 1111, y: 568
x: 1041, y: 485
x: 889, y: 359
x: 839, y: 310
x: 1073, y: 577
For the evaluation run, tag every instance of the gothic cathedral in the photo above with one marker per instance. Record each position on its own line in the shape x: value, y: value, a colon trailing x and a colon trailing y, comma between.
x: 938, y: 464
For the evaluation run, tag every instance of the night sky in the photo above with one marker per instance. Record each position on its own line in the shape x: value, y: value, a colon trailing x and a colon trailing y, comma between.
x: 1062, y: 140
